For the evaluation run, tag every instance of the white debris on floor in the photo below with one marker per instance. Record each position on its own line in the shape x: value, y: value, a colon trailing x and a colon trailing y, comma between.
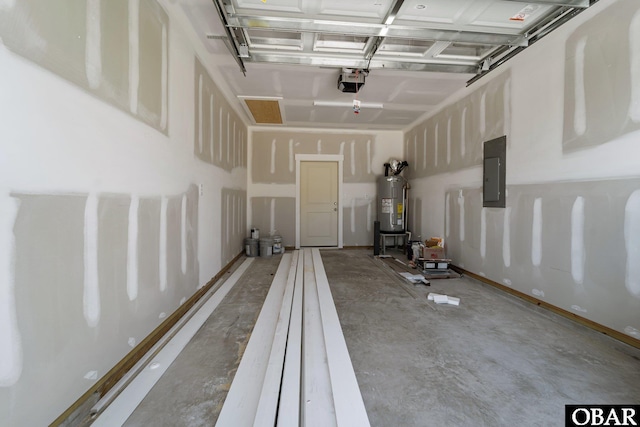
x: 443, y: 299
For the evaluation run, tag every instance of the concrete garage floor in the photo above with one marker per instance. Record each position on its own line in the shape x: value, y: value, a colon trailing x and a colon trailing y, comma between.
x: 493, y: 361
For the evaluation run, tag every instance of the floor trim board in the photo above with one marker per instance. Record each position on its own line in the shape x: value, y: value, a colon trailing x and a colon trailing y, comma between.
x: 242, y: 401
x: 268, y: 403
x: 289, y: 404
x: 347, y: 399
x: 317, y: 408
x: 115, y: 374
x: 569, y: 315
x: 126, y: 402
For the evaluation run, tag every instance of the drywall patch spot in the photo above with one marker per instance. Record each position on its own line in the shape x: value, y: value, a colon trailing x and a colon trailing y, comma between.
x: 154, y: 365
x: 162, y: 315
x: 580, y: 112
x: 632, y: 242
x: 536, y: 233
x: 577, y: 240
x: 634, y: 59
x: 10, y: 339
x: 630, y: 330
x: 132, y: 342
x: 482, y: 274
x: 91, y: 294
x: 91, y: 375
x: 7, y: 4
x: 506, y: 237
x: 506, y: 282
x: 183, y: 300
x: 578, y: 308
x: 538, y: 292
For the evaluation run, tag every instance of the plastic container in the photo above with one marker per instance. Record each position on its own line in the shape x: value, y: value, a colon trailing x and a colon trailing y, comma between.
x: 266, y: 247
x: 277, y: 245
x: 255, y: 233
x: 251, y: 247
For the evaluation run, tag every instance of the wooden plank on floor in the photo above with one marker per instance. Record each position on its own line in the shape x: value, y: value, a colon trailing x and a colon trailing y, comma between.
x: 317, y: 407
x: 268, y: 403
x: 349, y: 406
x: 240, y: 406
x: 123, y: 406
x: 289, y: 405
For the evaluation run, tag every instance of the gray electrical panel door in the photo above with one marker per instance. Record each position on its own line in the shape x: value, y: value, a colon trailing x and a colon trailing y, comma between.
x: 493, y: 176
x: 491, y: 188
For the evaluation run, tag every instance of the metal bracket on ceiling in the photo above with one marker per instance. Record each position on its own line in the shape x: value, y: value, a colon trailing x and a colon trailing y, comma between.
x: 235, y: 41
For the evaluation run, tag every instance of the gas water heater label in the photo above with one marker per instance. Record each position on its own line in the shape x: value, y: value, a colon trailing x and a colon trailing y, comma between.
x: 387, y: 206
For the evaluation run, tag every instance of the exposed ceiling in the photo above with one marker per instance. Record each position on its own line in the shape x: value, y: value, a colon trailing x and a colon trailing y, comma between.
x: 412, y: 53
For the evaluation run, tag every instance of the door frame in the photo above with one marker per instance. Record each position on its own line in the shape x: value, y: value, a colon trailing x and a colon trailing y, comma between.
x: 319, y: 158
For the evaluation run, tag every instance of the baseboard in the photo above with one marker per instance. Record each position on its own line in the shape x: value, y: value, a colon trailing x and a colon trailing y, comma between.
x: 110, y: 379
x: 569, y: 315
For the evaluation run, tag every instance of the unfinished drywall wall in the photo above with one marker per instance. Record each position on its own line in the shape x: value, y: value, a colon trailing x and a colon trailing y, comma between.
x: 567, y: 234
x: 601, y: 94
x: 219, y: 134
x: 571, y: 243
x: 117, y: 51
x: 273, y: 177
x: 452, y: 139
x: 278, y: 150
x: 233, y: 223
x: 108, y: 221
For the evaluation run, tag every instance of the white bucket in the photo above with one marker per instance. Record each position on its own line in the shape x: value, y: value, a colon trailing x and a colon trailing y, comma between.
x: 266, y: 247
x: 277, y: 245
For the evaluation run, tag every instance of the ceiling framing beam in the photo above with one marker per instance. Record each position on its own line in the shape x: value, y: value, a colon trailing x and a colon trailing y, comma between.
x: 231, y: 41
x: 373, y: 30
x: 361, y: 63
x: 568, y: 3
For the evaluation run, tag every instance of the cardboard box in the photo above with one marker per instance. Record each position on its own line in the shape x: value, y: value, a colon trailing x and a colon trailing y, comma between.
x: 433, y: 253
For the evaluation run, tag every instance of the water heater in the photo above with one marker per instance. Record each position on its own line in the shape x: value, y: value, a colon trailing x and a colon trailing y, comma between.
x: 392, y: 197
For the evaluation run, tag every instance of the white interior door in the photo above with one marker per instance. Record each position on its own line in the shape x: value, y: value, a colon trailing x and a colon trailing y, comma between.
x: 318, y: 203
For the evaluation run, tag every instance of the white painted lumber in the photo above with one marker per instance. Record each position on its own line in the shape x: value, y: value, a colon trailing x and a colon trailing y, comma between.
x: 289, y: 405
x: 348, y: 403
x: 317, y: 407
x: 239, y: 408
x: 453, y: 300
x: 123, y: 406
x: 268, y: 402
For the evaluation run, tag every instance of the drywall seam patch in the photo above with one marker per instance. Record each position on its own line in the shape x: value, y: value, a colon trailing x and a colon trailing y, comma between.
x: 483, y: 232
x: 632, y: 243
x: 577, y: 240
x: 162, y: 262
x: 580, y: 109
x: 463, y: 134
x: 369, y: 216
x: 200, y: 113
x: 134, y: 54
x: 353, y: 215
x: 211, y: 127
x: 483, y: 113
x: 506, y: 102
x: 319, y: 146
x: 506, y: 237
x: 634, y: 63
x: 91, y: 291
x: 272, y: 228
x: 536, y: 233
x: 353, y: 158
x: 220, y: 134
x: 435, y: 145
x: 272, y: 168
x: 449, y: 141
x: 10, y: 340
x: 369, y: 159
x: 132, y: 249
x: 164, y: 80
x: 292, y: 163
x: 424, y: 149
x: 93, y: 54
x: 183, y: 235
x: 7, y: 4
x: 461, y: 203
x: 447, y: 215
x: 228, y: 138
